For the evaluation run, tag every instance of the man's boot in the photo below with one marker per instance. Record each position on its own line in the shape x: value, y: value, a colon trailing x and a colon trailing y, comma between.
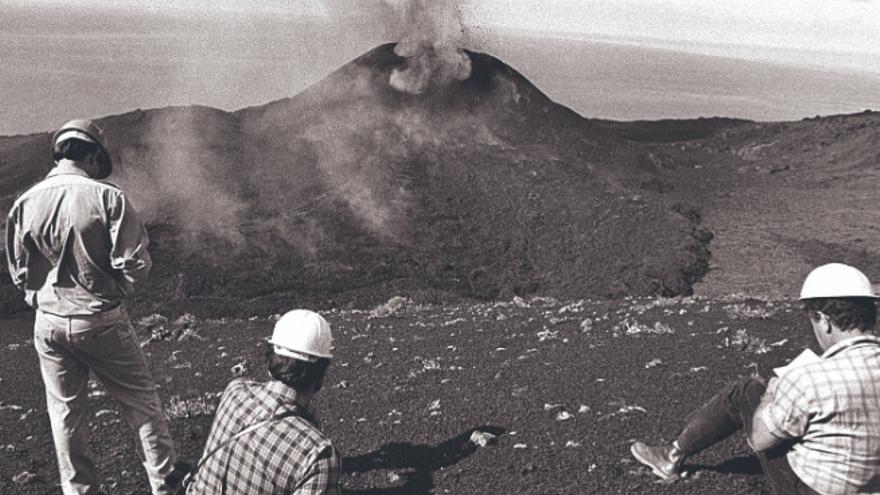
x: 664, y: 461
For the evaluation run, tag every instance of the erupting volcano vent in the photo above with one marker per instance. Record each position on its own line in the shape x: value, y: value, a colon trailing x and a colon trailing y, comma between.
x: 431, y: 46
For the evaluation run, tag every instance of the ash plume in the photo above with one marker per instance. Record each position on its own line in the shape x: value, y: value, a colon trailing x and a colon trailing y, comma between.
x: 430, y: 35
x: 431, y: 46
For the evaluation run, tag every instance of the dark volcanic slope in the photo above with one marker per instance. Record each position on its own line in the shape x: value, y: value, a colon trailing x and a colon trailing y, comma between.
x: 806, y: 193
x: 353, y: 191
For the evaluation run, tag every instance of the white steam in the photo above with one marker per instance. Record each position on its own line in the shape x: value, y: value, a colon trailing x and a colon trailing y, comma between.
x: 170, y: 180
x: 431, y: 46
x: 430, y: 35
x: 359, y: 149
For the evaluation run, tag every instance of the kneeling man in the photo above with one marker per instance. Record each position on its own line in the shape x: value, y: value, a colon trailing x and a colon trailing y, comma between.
x: 282, y: 450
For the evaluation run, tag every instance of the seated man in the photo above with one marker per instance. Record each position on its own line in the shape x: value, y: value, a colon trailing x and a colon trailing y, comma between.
x: 815, y: 428
x: 284, y: 452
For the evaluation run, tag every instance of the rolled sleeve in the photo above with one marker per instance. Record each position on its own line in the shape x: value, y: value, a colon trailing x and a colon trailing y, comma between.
x: 15, y: 254
x: 786, y: 412
x: 129, y: 240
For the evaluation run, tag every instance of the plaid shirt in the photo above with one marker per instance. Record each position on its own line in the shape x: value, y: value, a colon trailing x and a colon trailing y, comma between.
x: 288, y: 456
x: 832, y: 408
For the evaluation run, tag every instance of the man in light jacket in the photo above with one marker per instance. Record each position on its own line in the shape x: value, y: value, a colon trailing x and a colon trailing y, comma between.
x: 76, y: 248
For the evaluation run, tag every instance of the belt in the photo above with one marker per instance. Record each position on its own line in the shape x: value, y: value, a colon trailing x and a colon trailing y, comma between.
x: 111, y: 315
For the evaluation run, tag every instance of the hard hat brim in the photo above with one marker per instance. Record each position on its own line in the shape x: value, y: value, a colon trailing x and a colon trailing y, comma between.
x: 284, y: 351
x: 839, y: 296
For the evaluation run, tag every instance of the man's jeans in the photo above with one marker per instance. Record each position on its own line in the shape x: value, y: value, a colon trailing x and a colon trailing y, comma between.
x: 68, y: 347
x: 732, y: 410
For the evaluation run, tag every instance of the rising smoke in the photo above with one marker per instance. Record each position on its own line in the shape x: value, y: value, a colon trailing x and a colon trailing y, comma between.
x: 169, y: 177
x: 358, y: 146
x: 363, y: 159
x: 432, y: 47
x: 430, y: 35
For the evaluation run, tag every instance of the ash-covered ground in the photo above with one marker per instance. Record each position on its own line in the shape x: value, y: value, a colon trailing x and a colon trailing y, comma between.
x: 557, y: 390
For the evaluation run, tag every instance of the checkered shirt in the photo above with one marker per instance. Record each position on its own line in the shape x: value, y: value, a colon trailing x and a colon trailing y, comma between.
x: 832, y: 408
x: 288, y: 456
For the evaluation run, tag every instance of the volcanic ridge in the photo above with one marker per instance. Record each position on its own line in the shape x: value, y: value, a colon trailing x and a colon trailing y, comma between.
x: 353, y: 191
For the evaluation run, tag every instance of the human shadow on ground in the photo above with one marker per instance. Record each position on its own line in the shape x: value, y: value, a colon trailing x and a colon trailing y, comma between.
x: 414, y: 464
x: 736, y: 465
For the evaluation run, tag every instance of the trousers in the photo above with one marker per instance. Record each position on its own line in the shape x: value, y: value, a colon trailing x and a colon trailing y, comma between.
x: 728, y: 411
x: 68, y: 348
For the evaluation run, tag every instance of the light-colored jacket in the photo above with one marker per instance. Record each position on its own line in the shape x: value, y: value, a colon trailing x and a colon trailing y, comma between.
x: 75, y: 245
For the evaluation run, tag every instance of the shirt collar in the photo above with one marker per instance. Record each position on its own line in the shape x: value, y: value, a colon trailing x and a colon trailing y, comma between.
x: 850, y: 342
x: 288, y: 397
x: 57, y: 170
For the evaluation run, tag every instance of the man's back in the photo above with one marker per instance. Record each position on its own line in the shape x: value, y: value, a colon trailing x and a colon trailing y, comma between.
x: 833, y: 407
x: 75, y: 246
x: 289, y: 455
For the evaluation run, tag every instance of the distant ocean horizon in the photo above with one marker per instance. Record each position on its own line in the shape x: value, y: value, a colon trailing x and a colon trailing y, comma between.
x: 123, y: 62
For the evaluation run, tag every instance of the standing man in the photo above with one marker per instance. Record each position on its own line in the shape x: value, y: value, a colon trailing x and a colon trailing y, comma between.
x: 281, y: 450
x: 76, y: 247
x: 815, y: 428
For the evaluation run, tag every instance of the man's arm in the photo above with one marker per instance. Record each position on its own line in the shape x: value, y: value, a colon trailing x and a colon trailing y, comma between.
x: 781, y: 415
x: 760, y: 438
x: 129, y: 238
x: 322, y: 477
x: 15, y: 260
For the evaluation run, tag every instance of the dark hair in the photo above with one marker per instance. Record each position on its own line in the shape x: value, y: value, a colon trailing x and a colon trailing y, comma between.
x: 74, y: 149
x: 848, y: 313
x: 299, y: 375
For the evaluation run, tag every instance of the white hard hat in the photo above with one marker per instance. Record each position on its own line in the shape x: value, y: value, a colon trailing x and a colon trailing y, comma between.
x: 836, y: 280
x: 302, y: 334
x: 88, y: 131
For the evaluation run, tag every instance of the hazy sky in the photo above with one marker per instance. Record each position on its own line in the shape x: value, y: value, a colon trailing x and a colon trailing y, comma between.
x: 835, y: 25
x: 760, y: 59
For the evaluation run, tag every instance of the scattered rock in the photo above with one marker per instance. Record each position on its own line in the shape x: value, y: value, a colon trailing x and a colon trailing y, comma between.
x: 96, y: 390
x: 12, y: 407
x: 586, y: 325
x: 241, y: 368
x: 563, y: 416
x: 520, y: 302
x: 629, y: 409
x: 482, y: 438
x: 186, y: 320
x: 153, y: 320
x: 23, y: 478
x: 396, y: 306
